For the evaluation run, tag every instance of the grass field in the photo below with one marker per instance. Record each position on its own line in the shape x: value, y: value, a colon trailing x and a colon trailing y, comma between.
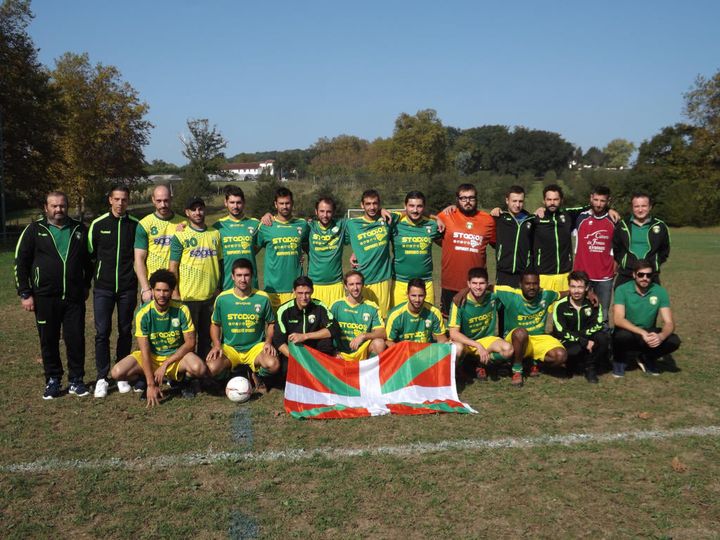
x: 212, y: 469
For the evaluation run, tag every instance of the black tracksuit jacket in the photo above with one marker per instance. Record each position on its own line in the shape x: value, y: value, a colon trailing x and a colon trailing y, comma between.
x: 41, y: 271
x: 111, y: 242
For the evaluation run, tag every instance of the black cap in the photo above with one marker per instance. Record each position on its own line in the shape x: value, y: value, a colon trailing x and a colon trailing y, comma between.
x: 194, y: 201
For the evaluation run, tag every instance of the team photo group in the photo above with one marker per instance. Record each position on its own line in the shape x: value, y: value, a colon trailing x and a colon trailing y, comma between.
x: 576, y: 290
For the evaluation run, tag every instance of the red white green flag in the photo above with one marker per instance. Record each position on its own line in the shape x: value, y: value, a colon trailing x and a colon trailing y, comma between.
x: 408, y: 378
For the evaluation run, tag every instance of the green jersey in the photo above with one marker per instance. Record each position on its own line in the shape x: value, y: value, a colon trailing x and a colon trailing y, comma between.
x: 523, y: 313
x: 642, y: 309
x: 325, y: 246
x: 475, y: 319
x: 242, y: 319
x: 355, y: 319
x: 423, y: 327
x: 412, y: 246
x: 370, y: 241
x: 283, y: 249
x: 164, y: 330
x: 154, y: 235
x: 199, y: 254
x: 238, y: 242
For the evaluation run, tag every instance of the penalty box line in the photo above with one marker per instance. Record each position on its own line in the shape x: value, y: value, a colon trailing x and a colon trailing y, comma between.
x: 402, y: 450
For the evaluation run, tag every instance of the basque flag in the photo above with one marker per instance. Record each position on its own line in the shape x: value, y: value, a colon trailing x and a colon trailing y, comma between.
x: 408, y: 378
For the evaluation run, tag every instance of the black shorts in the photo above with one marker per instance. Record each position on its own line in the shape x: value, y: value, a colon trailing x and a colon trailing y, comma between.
x: 508, y: 279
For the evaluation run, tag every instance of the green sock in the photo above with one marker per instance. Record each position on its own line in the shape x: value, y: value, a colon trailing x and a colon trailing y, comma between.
x: 517, y: 368
x: 497, y: 357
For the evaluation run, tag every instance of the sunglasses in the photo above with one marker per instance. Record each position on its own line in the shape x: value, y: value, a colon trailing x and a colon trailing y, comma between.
x: 644, y: 274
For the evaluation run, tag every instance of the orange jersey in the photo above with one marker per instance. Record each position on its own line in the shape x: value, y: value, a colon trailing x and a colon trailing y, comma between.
x: 464, y: 244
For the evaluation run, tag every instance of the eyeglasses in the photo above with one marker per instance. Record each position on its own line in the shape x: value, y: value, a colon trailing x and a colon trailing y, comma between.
x: 467, y: 199
x: 644, y: 274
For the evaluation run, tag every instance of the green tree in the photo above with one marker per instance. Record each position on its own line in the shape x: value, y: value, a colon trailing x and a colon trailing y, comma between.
x: 104, y: 130
x: 594, y: 157
x: 203, y: 148
x: 618, y: 152
x: 30, y: 109
x: 702, y: 103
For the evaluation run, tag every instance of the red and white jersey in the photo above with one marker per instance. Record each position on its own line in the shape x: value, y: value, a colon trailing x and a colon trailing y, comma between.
x: 593, y: 246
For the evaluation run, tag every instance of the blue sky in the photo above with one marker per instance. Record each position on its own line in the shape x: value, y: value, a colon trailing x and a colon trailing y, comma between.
x: 276, y: 75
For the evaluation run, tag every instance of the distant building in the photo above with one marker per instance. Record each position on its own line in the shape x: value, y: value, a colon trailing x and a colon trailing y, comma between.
x: 250, y: 171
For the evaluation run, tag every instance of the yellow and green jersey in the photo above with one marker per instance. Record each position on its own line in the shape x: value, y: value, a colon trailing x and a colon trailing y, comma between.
x: 163, y: 329
x: 325, y: 248
x: 355, y: 319
x: 412, y: 247
x: 370, y: 241
x: 199, y: 253
x: 523, y: 313
x: 402, y: 325
x: 474, y: 319
x: 283, y: 249
x: 242, y: 318
x: 238, y: 242
x: 154, y: 235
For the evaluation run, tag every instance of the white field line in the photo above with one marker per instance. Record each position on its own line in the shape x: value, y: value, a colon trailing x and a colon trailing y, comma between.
x: 403, y: 450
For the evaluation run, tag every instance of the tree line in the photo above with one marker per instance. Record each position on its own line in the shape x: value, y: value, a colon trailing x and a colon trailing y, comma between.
x: 80, y: 127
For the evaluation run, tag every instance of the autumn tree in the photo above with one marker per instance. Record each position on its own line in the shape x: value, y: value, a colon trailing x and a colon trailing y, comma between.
x: 104, y: 130
x: 30, y: 109
x: 418, y: 146
x: 339, y: 156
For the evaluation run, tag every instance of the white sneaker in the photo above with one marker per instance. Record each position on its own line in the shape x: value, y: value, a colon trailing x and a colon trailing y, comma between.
x: 101, y: 388
x: 123, y: 387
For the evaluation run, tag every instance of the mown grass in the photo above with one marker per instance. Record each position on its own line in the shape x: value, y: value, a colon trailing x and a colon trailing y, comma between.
x: 610, y: 490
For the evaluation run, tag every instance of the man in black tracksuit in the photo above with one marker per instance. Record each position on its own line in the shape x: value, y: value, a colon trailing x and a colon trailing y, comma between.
x: 552, y: 251
x: 640, y: 236
x: 302, y: 320
x: 513, y: 229
x: 111, y: 241
x: 52, y: 276
x: 579, y: 326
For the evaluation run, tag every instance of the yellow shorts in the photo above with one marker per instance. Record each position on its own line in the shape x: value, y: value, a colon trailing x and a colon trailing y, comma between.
x: 246, y: 358
x: 554, y: 282
x: 380, y: 294
x: 399, y: 292
x: 279, y: 298
x: 538, y: 346
x: 485, y: 342
x: 328, y: 294
x: 170, y: 373
x: 360, y: 354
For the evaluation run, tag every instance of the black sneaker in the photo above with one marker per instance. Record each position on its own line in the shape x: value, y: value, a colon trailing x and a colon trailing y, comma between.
x: 52, y: 388
x: 187, y: 391
x: 78, y: 389
x: 140, y: 386
x: 591, y: 376
x: 647, y: 365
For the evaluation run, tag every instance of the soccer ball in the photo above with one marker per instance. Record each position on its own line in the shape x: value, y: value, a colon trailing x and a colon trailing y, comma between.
x: 238, y: 389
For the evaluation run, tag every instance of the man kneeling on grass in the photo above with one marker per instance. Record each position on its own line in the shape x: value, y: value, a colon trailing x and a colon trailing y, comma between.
x: 166, y: 337
x: 637, y: 306
x: 242, y: 329
x: 473, y: 322
x: 579, y: 326
x: 526, y: 311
